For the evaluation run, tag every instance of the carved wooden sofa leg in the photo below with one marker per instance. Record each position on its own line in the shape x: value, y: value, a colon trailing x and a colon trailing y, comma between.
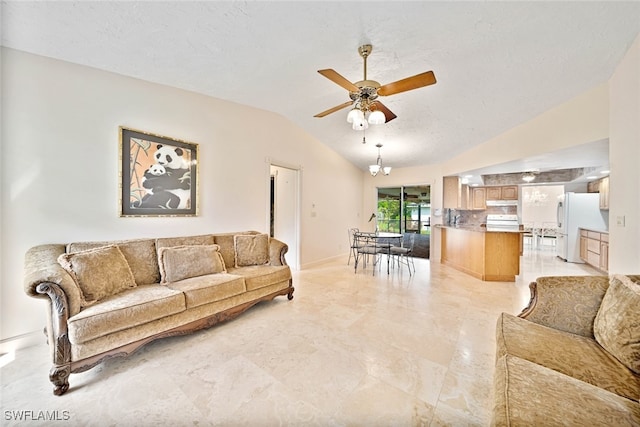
x: 290, y: 293
x: 59, y: 376
x: 61, y: 369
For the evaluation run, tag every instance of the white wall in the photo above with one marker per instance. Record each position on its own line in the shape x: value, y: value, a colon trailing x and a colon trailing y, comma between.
x: 59, y: 168
x: 624, y: 160
x: 539, y: 204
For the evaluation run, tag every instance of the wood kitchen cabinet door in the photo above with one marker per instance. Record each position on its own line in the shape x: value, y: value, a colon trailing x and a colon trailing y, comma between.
x: 479, y: 196
x: 583, y: 248
x: 452, y: 192
x: 603, y: 188
x: 493, y: 193
x: 604, y: 256
x: 510, y: 192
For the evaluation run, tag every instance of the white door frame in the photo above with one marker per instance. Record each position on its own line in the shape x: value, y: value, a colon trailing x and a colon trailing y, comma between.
x: 295, y: 247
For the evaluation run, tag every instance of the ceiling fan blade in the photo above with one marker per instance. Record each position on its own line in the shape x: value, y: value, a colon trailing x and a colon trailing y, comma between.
x: 388, y: 114
x: 410, y: 83
x: 338, y: 79
x: 334, y: 109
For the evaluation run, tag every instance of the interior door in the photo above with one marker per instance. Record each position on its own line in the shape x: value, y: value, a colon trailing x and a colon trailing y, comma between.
x: 284, y: 210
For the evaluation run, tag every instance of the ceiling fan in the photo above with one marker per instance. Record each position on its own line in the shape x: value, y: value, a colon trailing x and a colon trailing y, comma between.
x: 364, y: 94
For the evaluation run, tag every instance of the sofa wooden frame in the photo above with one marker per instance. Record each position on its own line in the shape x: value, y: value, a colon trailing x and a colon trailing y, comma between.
x: 63, y: 367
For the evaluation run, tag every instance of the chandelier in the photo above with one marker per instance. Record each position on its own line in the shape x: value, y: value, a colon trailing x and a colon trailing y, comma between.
x: 374, y: 169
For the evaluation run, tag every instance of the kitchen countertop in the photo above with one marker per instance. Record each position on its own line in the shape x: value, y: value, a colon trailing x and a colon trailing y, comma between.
x: 595, y: 230
x: 478, y: 228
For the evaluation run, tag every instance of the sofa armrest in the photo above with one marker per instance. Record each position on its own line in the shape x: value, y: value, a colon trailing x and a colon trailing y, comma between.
x: 277, y: 249
x: 41, y: 267
x: 566, y: 303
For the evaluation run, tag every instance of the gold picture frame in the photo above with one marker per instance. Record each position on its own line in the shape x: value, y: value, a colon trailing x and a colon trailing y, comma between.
x: 158, y: 175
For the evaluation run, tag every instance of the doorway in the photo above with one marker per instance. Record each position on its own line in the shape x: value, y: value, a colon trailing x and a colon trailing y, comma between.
x: 407, y: 210
x: 284, y: 218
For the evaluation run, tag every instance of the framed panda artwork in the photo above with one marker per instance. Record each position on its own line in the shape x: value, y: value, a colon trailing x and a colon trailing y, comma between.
x: 158, y: 175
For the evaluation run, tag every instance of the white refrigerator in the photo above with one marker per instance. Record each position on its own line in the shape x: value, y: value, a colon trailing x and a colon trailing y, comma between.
x: 577, y: 210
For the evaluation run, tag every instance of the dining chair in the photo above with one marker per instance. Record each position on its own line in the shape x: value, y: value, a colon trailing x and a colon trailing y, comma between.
x: 549, y: 231
x: 404, y: 254
x: 369, y: 249
x: 353, y: 250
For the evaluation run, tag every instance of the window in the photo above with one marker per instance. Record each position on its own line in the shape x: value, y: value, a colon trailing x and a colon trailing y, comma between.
x: 404, y: 209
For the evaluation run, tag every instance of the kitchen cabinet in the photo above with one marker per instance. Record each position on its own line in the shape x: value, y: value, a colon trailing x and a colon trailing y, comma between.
x: 507, y: 192
x: 583, y: 245
x: 485, y: 255
x: 594, y: 249
x: 494, y: 193
x: 465, y: 197
x: 604, y: 256
x: 603, y: 188
x: 479, y: 198
x: 451, y: 192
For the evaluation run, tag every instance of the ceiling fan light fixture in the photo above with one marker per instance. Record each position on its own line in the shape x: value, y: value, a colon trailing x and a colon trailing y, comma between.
x: 360, y: 124
x: 355, y: 115
x: 377, y: 117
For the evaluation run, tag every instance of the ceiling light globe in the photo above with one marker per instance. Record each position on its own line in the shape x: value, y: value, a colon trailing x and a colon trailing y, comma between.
x: 374, y: 169
x: 386, y: 170
x: 354, y: 115
x: 360, y: 125
x: 377, y: 117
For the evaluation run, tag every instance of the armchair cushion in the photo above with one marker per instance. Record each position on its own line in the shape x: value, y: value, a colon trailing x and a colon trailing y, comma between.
x: 527, y: 394
x: 573, y: 355
x: 617, y: 324
x: 568, y: 303
x: 251, y: 249
x: 183, y: 262
x: 98, y: 273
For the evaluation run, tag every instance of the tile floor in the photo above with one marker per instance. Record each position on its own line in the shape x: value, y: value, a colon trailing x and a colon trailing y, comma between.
x: 350, y: 349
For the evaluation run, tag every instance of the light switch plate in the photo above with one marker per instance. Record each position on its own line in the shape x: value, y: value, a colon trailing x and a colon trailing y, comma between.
x: 620, y: 221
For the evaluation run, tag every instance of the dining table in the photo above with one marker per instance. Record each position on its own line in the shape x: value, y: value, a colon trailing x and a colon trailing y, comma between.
x: 375, y: 244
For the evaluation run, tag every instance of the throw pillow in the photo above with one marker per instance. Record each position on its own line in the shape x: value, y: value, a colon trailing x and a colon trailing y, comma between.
x: 99, y: 272
x: 617, y: 324
x: 251, y: 249
x: 183, y: 262
x: 140, y: 255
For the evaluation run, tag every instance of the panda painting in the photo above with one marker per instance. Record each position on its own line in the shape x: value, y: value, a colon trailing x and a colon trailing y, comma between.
x: 154, y: 180
x: 158, y: 175
x: 171, y: 174
x: 171, y: 157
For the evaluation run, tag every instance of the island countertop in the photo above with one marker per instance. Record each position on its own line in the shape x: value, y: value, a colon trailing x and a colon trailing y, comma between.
x: 485, y: 254
x: 479, y: 228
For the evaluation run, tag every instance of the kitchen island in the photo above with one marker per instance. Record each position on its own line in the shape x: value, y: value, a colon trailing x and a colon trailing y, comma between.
x: 487, y: 254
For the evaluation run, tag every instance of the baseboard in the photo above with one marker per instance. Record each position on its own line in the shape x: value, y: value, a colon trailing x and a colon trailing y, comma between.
x: 323, y: 261
x: 13, y: 344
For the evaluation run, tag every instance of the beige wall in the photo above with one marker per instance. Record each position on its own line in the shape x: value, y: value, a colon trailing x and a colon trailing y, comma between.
x: 624, y: 159
x: 59, y: 168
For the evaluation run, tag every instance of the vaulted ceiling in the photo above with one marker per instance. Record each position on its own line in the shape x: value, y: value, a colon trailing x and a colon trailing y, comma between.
x: 497, y: 64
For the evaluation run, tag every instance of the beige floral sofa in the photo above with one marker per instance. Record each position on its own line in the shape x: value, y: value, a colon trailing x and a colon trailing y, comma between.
x: 108, y: 299
x: 572, y: 357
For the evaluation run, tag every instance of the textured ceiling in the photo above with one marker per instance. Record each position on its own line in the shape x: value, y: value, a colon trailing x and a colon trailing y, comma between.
x: 498, y: 64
